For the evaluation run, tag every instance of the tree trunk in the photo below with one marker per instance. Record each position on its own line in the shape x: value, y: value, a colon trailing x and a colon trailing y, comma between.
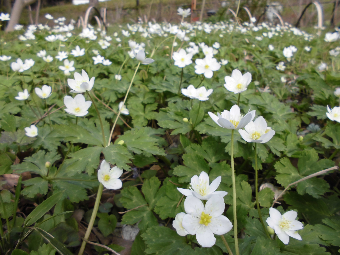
x: 16, y: 12
x: 94, y: 3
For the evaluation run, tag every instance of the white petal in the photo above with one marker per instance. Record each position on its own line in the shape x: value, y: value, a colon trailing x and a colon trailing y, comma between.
x: 193, y: 206
x: 226, y: 123
x: 185, y: 192
x: 105, y: 166
x: 296, y: 225
x: 191, y: 224
x: 220, y: 193
x: 246, y: 79
x: 113, y: 184
x: 245, y: 120
x: 266, y: 137
x: 215, y: 206
x: 208, y: 74
x: 147, y: 61
x: 290, y: 215
x: 294, y: 234
x: 245, y: 135
x: 214, y: 118
x: 205, y: 237
x: 237, y: 75
x: 214, y: 185
x: 220, y: 225
x: 204, y: 177
x: 281, y: 235
x: 116, y: 172
x: 235, y: 110
x: 275, y: 214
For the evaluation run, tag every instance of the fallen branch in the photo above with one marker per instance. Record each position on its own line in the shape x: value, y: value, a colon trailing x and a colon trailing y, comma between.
x: 103, y: 246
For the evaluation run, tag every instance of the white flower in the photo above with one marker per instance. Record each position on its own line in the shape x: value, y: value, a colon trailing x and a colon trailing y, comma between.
x: 77, y: 106
x: 205, y: 221
x: 203, y: 94
x: 281, y: 66
x: 41, y: 53
x: 118, y: 77
x: 181, y: 58
x: 332, y: 37
x: 333, y: 114
x: 308, y: 48
x: 288, y: 53
x: 18, y: 27
x: 334, y: 52
x: 31, y: 131
x: 29, y: 63
x: 67, y: 67
x: 257, y: 131
x: 22, y: 95
x: 270, y: 47
x: 48, y: 59
x: 206, y: 66
x: 61, y: 55
x: 81, y: 82
x: 106, y: 62
x: 237, y: 82
x: 216, y: 45
x: 5, y: 58
x: 141, y: 57
x: 200, y: 188
x: 190, y: 91
x: 285, y: 225
x: 183, y: 13
x: 224, y: 62
x: 322, y: 67
x: 337, y: 92
x: 123, y: 108
x: 232, y: 119
x: 48, y: 16
x: 253, y: 20
x: 283, y: 79
x: 98, y: 59
x: 4, y: 16
x: 19, y: 66
x: 109, y: 177
x: 77, y: 52
x: 44, y: 92
x: 177, y: 224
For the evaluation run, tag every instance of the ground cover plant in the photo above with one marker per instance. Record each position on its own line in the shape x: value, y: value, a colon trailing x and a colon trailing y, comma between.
x: 211, y: 138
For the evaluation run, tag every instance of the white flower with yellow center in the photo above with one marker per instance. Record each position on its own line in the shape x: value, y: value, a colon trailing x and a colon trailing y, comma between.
x: 207, y: 66
x: 109, y: 177
x: 67, y: 67
x: 123, y: 109
x: 81, y: 82
x: 22, y: 95
x: 182, y: 59
x: 177, y: 224
x: 285, y: 225
x: 77, y: 106
x: 257, y: 131
x: 333, y: 114
x: 44, y: 92
x: 200, y: 188
x: 31, y: 131
x: 232, y: 119
x: 237, y: 82
x: 205, y: 221
x: 337, y: 92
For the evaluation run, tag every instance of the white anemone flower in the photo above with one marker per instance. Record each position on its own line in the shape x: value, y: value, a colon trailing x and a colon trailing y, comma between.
x: 5, y: 58
x: 123, y: 109
x: 200, y: 188
x: 44, y: 92
x: 207, y: 66
x: 203, y: 94
x: 257, y: 131
x: 81, y: 82
x: 332, y: 114
x: 232, y: 119
x: 190, y: 91
x: 177, y: 224
x: 183, y: 13
x: 285, y: 225
x: 182, y: 59
x: 67, y: 67
x: 77, y: 52
x: 337, y: 92
x: 237, y: 82
x: 205, y: 220
x: 109, y: 177
x: 141, y: 57
x: 61, y: 55
x: 98, y: 59
x: 19, y: 66
x: 22, y: 95
x: 5, y: 16
x: 118, y: 77
x: 31, y: 131
x: 48, y: 59
x: 77, y: 106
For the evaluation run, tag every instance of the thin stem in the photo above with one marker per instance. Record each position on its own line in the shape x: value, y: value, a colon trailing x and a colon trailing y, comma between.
x: 238, y: 100
x: 226, y: 245
x: 257, y: 193
x: 334, y: 154
x: 180, y: 84
x: 199, y: 107
x: 234, y: 192
x: 100, y: 119
x: 114, y: 124
x: 76, y: 120
x: 48, y: 116
x: 202, y: 79
x: 93, y: 217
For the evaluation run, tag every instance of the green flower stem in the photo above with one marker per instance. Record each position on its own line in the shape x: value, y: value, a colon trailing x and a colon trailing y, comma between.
x: 257, y: 194
x: 199, y: 107
x: 234, y: 192
x: 180, y: 84
x: 93, y: 217
x: 238, y: 100
x: 127, y: 93
x: 100, y: 119
x: 226, y: 245
x: 334, y: 154
x: 48, y: 116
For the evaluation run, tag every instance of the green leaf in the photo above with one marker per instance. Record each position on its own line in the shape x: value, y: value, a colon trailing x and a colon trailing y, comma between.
x: 141, y: 141
x: 45, y: 249
x: 141, y: 160
x: 149, y: 189
x: 164, y: 241
x: 196, y: 113
x: 330, y: 232
x: 254, y: 228
x: 8, y: 122
x: 266, y: 197
x: 35, y: 186
x: 138, y: 246
x: 107, y: 223
x: 36, y: 163
x: 118, y: 155
x: 46, y: 139
x: 19, y: 252
x: 265, y: 246
x: 61, y: 248
x: 308, y: 164
x: 42, y: 209
x: 318, y: 111
x: 6, y: 161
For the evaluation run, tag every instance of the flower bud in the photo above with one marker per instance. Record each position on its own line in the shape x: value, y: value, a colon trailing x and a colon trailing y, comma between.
x: 47, y: 164
x: 185, y: 120
x: 121, y: 142
x: 270, y: 230
x: 300, y: 138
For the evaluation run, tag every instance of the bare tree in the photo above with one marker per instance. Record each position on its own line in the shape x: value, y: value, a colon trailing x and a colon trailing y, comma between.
x: 16, y: 13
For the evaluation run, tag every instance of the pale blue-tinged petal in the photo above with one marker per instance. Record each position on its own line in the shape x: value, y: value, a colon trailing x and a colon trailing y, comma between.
x: 266, y: 137
x: 226, y: 123
x: 185, y: 192
x: 245, y: 120
x: 245, y: 135
x: 214, y: 118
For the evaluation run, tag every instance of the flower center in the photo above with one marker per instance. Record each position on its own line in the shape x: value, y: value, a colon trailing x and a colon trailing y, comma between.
x: 335, y: 115
x: 284, y: 224
x: 106, y: 177
x: 255, y: 136
x: 182, y: 59
x: 235, y: 123
x: 44, y: 94
x: 239, y: 86
x: 205, y: 219
x: 67, y: 67
x: 206, y: 66
x: 77, y: 109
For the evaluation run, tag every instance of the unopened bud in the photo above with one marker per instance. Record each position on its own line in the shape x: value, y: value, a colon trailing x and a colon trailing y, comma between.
x: 185, y: 120
x: 300, y: 138
x: 121, y: 142
x: 270, y: 230
x: 47, y: 164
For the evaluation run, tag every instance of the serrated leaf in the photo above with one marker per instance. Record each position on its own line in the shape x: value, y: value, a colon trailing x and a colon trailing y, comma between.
x: 138, y: 246
x: 118, y: 155
x: 107, y: 224
x: 318, y: 111
x: 6, y: 161
x: 265, y: 246
x: 46, y: 140
x: 150, y: 189
x: 329, y: 232
x: 45, y: 249
x: 8, y: 122
x: 266, y: 197
x: 35, y: 186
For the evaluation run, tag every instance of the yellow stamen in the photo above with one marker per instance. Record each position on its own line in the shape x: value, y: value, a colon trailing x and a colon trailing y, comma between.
x: 239, y: 86
x: 182, y: 59
x: 44, y: 95
x: 206, y: 66
x: 106, y: 177
x: 205, y: 219
x: 335, y: 115
x: 235, y: 123
x: 77, y: 109
x: 284, y: 224
x: 255, y: 136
